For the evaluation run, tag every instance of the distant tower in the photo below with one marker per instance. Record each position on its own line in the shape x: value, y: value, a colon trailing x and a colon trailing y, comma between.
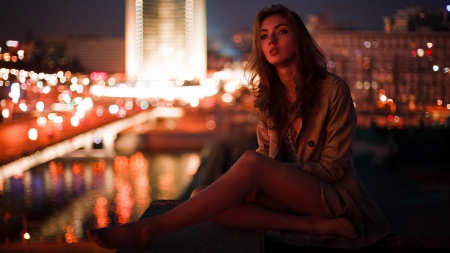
x: 165, y: 39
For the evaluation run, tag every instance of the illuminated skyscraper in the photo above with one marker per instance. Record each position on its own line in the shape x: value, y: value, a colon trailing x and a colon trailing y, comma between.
x: 165, y: 39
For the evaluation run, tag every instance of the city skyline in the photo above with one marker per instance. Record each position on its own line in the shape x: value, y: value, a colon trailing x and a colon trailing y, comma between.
x: 87, y: 17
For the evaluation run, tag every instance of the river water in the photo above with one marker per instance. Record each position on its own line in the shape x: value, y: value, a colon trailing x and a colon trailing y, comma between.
x: 57, y: 201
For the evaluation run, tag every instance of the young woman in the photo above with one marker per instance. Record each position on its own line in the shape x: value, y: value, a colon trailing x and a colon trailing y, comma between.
x: 302, y: 176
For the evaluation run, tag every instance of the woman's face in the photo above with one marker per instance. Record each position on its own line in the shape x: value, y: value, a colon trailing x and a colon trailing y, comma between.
x: 278, y: 41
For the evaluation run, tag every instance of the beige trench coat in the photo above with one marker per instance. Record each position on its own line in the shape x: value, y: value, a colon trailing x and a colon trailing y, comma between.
x: 324, y: 151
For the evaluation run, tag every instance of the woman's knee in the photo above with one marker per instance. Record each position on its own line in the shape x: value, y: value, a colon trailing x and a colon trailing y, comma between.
x: 249, y: 159
x: 251, y: 162
x: 197, y: 190
x: 250, y: 155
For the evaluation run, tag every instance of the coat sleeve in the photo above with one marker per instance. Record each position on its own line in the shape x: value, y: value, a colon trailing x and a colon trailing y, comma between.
x: 262, y: 134
x: 340, y: 128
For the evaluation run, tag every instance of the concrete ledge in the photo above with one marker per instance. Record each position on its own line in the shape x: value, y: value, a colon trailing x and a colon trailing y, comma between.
x: 203, y: 237
x: 417, y: 225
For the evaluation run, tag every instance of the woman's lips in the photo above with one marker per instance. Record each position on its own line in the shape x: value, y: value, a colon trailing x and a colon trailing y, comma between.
x: 273, y: 51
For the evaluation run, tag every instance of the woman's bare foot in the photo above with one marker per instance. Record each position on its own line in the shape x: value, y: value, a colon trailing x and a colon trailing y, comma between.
x: 342, y: 226
x: 135, y: 235
x: 337, y: 226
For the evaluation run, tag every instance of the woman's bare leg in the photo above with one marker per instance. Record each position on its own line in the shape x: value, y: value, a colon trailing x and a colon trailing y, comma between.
x: 252, y: 216
x: 296, y: 189
x: 266, y: 212
x: 245, y: 216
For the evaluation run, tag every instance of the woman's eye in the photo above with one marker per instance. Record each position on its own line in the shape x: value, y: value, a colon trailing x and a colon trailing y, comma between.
x: 282, y: 31
x: 263, y: 36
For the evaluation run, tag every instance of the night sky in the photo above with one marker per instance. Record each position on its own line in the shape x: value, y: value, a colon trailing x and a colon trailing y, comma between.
x: 106, y: 17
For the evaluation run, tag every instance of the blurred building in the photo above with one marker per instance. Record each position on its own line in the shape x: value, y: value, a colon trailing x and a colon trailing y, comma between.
x: 165, y: 39
x: 317, y: 22
x: 95, y: 54
x: 75, y: 53
x: 400, y: 72
x: 242, y: 40
x: 417, y: 18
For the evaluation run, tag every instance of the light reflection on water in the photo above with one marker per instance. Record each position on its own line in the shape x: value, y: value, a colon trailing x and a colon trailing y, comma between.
x: 59, y: 200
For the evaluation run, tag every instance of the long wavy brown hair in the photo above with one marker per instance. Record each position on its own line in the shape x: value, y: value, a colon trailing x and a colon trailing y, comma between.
x: 271, y: 101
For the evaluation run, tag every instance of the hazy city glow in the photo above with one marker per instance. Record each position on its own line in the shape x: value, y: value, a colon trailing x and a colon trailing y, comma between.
x: 165, y: 92
x: 32, y: 134
x: 5, y: 113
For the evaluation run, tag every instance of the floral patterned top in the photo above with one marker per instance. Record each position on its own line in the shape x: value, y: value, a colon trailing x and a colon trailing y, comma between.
x: 290, y: 141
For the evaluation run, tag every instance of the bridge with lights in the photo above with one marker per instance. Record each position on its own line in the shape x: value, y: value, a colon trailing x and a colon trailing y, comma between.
x: 48, y: 115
